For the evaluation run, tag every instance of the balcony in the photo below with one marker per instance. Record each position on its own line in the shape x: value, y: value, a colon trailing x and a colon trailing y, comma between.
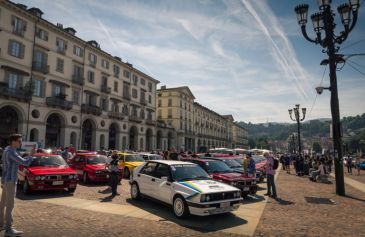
x: 78, y: 79
x: 143, y: 102
x: 57, y: 101
x: 136, y: 119
x: 115, y: 115
x: 91, y: 109
x: 151, y: 122
x: 16, y: 93
x: 106, y: 89
x: 40, y: 67
x: 127, y: 96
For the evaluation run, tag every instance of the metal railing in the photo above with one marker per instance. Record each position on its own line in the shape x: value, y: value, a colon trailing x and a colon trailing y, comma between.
x: 17, y: 93
x: 78, y: 79
x: 115, y: 115
x: 91, y: 109
x: 106, y: 89
x: 40, y: 67
x: 59, y: 102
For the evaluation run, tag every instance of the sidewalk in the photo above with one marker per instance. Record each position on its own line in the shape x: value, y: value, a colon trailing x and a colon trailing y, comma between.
x: 359, y: 178
x: 306, y: 208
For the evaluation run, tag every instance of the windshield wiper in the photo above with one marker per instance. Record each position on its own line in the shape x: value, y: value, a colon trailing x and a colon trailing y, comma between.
x: 184, y: 179
x: 202, y: 177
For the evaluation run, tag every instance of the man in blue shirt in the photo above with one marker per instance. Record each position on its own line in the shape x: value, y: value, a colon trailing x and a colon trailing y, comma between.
x: 11, y: 161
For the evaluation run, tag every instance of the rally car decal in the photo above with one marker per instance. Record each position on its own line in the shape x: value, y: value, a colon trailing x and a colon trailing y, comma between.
x: 191, y: 185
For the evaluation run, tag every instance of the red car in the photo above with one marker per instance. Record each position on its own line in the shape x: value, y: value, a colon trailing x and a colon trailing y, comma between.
x: 219, y: 171
x: 90, y: 167
x: 47, y: 172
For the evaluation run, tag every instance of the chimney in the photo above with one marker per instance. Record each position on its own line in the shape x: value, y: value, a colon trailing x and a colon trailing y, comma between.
x: 70, y: 30
x: 163, y: 87
x: 118, y: 58
x: 59, y: 25
x: 129, y: 64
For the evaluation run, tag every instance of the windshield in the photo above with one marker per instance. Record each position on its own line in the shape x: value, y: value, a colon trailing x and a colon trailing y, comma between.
x: 239, y: 161
x: 54, y: 160
x: 131, y: 158
x: 188, y: 172
x: 96, y: 160
x: 232, y: 163
x: 258, y: 159
x: 216, y: 166
x: 155, y: 157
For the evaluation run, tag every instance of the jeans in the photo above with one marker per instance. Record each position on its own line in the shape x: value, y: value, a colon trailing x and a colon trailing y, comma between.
x: 271, y: 185
x: 7, y: 205
x: 349, y: 168
x: 114, y: 179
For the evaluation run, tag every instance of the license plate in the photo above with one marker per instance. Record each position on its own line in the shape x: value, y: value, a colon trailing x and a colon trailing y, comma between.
x: 246, y: 189
x: 57, y: 183
x: 224, y: 204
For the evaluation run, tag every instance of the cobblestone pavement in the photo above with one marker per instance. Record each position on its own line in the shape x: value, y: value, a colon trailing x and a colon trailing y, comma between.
x: 354, y: 175
x: 293, y: 215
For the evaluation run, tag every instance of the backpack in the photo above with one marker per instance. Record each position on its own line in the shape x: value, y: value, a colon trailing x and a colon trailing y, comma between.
x: 276, y: 163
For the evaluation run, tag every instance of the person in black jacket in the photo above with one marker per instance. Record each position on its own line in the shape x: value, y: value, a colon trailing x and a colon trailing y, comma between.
x: 114, y: 174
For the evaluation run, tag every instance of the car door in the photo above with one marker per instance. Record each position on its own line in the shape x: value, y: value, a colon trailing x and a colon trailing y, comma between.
x: 145, y: 177
x: 162, y: 187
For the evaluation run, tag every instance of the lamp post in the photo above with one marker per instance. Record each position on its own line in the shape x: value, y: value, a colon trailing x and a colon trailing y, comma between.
x: 298, y: 119
x: 324, y: 21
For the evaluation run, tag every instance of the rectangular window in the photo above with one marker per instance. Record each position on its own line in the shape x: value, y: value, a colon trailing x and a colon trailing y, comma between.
x: 126, y: 73
x: 169, y: 115
x: 150, y: 99
x: 143, y: 82
x: 134, y: 93
x: 60, y: 65
x: 37, y: 87
x: 159, y: 103
x: 115, y: 86
x: 76, y: 97
x: 13, y: 81
x: 19, y: 26
x: 92, y: 58
x: 91, y: 76
x: 57, y: 90
x: 149, y: 86
x: 116, y: 70
x: 42, y: 34
x: 104, y: 104
x: 159, y: 114
x: 105, y: 64
x: 16, y: 49
x: 135, y: 79
x: 61, y: 45
x: 78, y: 51
x: 170, y: 102
x: 78, y: 72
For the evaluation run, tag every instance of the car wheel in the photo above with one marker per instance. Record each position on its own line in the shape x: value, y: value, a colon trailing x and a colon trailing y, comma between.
x: 135, y: 193
x: 26, y: 187
x: 71, y: 190
x: 181, y: 209
x: 85, y: 178
x: 126, y: 173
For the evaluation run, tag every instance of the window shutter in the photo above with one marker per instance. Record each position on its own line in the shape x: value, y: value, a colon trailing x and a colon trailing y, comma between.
x: 89, y: 56
x: 57, y: 43
x: 81, y: 53
x: 46, y: 35
x: 65, y: 45
x: 24, y: 25
x: 13, y: 20
x: 74, y: 49
x: 9, y: 46
x: 43, y: 88
x: 22, y: 49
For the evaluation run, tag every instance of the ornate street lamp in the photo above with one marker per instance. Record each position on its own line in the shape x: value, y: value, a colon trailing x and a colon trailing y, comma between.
x: 323, y: 21
x: 298, y: 119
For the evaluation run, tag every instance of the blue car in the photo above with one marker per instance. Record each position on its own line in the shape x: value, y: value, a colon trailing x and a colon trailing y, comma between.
x: 362, y: 165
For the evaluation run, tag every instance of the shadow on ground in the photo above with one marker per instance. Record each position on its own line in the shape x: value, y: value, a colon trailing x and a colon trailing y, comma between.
x: 204, y: 224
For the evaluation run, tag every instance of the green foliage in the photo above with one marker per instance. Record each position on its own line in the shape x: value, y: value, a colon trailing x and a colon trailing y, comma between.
x: 317, y: 147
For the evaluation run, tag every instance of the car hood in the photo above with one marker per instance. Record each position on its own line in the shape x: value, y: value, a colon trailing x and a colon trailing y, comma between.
x: 134, y: 163
x: 229, y: 176
x: 51, y: 170
x: 96, y: 166
x: 207, y: 186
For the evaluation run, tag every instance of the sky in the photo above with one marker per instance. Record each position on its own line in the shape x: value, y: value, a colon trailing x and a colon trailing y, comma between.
x: 241, y: 57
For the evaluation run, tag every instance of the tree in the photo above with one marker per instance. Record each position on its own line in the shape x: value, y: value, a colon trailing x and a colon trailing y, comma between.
x: 317, y: 147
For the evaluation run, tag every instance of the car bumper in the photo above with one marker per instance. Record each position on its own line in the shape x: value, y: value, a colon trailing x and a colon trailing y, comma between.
x: 213, y: 208
x: 50, y: 185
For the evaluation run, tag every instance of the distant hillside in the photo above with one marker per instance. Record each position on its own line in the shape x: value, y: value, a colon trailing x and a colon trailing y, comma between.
x: 353, y: 129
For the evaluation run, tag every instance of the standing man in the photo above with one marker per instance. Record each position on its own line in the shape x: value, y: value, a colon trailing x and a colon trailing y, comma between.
x: 114, y: 174
x: 251, y: 167
x: 11, y: 162
x: 270, y: 175
x: 349, y: 164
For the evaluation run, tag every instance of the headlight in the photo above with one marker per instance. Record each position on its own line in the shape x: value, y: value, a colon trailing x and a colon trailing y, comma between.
x: 237, y: 194
x: 42, y: 177
x: 233, y: 183
x: 98, y: 172
x: 205, y: 198
x: 37, y: 178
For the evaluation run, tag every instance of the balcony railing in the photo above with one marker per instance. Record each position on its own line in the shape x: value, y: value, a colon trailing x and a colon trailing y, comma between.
x: 115, y: 115
x: 40, y: 67
x: 59, y: 102
x: 78, y: 79
x: 136, y: 119
x: 91, y: 109
x: 151, y: 122
x: 143, y: 102
x: 127, y: 96
x: 17, y: 93
x: 106, y: 89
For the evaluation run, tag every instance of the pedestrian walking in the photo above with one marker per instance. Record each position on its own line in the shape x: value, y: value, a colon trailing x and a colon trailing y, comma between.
x: 270, y: 175
x: 113, y: 174
x: 11, y: 161
x: 287, y: 163
x: 349, y: 164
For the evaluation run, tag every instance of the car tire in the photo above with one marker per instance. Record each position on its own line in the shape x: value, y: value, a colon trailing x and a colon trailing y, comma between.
x: 26, y: 187
x: 126, y: 173
x: 85, y: 178
x: 135, y: 193
x: 71, y: 190
x: 180, y: 207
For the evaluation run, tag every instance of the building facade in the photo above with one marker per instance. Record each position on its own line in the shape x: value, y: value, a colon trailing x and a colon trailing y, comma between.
x: 197, y: 127
x: 58, y: 89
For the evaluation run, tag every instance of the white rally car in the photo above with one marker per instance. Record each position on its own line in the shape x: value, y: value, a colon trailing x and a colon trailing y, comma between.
x: 185, y: 186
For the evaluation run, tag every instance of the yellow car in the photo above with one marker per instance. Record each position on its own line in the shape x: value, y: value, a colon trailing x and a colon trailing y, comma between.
x: 128, y: 161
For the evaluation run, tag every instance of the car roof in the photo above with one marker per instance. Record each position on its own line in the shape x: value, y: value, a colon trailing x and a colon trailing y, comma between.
x: 44, y: 154
x: 148, y: 154
x: 200, y: 159
x: 171, y: 162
